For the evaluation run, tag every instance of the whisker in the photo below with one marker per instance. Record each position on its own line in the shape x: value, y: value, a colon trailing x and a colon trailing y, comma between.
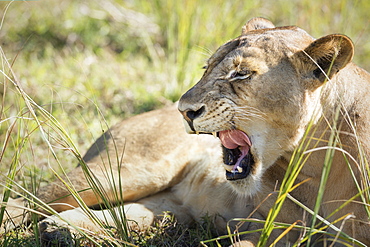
x: 204, y: 51
x: 250, y: 108
x: 250, y: 117
x: 247, y: 113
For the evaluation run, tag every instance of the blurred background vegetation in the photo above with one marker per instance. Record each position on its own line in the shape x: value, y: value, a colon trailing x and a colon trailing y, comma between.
x: 92, y: 63
x: 76, y: 58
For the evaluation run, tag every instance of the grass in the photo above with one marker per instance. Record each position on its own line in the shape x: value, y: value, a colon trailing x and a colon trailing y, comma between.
x: 80, y: 67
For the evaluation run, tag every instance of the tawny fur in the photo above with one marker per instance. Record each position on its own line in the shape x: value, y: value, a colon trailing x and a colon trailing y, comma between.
x: 165, y: 169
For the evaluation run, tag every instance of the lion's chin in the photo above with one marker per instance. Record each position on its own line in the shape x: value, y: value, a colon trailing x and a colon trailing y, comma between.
x: 246, y: 187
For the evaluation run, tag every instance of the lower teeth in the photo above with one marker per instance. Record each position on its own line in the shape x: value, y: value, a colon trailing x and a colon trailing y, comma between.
x: 231, y: 169
x: 228, y: 168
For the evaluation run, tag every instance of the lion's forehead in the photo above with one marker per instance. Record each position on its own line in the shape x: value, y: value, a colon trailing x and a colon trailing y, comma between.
x: 292, y: 38
x: 261, y: 45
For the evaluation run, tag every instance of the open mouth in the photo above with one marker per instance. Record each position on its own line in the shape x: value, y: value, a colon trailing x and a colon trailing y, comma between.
x: 238, y: 160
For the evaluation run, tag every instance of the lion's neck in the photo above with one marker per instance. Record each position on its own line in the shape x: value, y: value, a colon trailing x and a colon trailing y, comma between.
x: 349, y: 90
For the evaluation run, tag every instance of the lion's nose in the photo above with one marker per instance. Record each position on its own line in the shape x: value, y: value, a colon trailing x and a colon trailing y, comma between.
x: 191, y: 112
x: 190, y: 107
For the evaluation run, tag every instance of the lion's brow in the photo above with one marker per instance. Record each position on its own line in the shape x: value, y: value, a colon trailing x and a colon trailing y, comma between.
x: 221, y: 52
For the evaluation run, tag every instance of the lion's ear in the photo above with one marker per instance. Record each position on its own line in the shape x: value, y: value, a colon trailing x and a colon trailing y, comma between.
x: 257, y: 23
x: 324, y: 57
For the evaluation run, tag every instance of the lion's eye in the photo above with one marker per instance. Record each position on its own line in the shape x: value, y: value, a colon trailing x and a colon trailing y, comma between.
x: 239, y: 75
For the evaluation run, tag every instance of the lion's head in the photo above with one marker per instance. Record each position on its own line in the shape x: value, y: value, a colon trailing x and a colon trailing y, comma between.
x: 259, y: 92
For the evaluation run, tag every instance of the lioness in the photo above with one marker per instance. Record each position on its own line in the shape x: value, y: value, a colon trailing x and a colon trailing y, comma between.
x: 259, y: 95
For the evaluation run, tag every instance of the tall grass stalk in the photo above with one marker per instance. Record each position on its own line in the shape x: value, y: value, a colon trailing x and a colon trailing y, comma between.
x: 363, y: 185
x: 295, y: 166
x: 44, y: 118
x: 332, y: 143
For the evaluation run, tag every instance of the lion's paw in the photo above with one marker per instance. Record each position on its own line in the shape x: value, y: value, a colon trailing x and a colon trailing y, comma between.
x: 54, y: 234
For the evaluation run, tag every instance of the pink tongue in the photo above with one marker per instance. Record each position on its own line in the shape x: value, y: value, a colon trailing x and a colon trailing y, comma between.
x: 232, y: 139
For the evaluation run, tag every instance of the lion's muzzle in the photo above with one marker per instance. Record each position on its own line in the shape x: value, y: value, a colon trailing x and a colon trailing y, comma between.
x: 190, y: 113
